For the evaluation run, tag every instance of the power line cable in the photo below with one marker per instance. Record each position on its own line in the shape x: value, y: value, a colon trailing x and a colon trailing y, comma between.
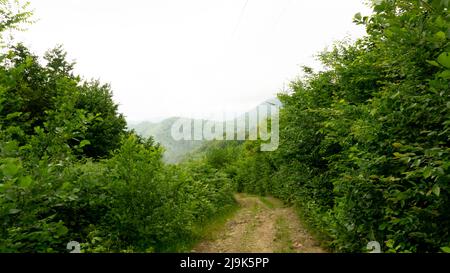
x: 240, y: 17
x: 283, y: 12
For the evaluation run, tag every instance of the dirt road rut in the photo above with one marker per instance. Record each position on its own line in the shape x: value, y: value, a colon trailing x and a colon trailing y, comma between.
x: 262, y: 225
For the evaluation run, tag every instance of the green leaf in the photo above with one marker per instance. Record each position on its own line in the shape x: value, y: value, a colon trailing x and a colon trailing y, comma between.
x: 397, y: 145
x: 446, y: 249
x: 445, y: 3
x: 444, y: 59
x: 66, y: 186
x: 13, y: 115
x: 14, y: 211
x: 358, y: 19
x: 434, y: 63
x: 436, y: 190
x: 10, y: 168
x: 390, y: 243
x: 427, y: 173
x: 84, y: 143
x: 440, y: 35
x: 25, y: 182
x: 444, y: 75
x: 380, y: 6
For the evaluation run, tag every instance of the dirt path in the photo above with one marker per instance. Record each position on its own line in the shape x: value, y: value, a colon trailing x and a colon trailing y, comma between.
x: 262, y: 225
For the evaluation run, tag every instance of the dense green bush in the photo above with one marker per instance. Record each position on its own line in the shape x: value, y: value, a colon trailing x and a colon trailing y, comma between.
x: 38, y: 90
x: 70, y: 172
x: 152, y: 206
x: 364, y: 149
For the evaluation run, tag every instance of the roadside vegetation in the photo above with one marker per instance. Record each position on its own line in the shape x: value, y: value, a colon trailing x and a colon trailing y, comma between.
x: 364, y: 153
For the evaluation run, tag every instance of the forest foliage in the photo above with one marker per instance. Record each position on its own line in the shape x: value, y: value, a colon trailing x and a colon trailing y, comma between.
x: 71, y: 171
x: 364, y: 150
x: 365, y: 144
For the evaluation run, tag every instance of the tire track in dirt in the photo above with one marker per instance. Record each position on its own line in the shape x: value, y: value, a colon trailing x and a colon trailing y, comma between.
x: 262, y: 225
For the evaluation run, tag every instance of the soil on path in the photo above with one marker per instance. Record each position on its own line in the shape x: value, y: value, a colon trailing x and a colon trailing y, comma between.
x: 262, y: 225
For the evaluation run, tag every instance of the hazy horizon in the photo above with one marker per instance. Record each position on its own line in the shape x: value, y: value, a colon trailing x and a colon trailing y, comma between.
x: 191, y: 58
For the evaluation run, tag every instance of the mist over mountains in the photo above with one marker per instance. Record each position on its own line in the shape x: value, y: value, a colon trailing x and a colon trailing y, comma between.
x: 176, y: 151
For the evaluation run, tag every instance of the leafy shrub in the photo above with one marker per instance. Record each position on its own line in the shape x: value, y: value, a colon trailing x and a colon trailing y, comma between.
x: 364, y: 147
x: 69, y: 171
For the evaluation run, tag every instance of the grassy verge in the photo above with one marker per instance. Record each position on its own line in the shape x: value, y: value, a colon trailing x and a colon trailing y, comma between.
x: 208, y: 230
x: 314, y: 229
x: 267, y: 202
x: 283, y: 236
x: 271, y: 202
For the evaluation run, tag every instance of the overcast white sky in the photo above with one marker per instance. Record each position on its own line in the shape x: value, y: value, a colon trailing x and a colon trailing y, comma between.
x: 191, y: 58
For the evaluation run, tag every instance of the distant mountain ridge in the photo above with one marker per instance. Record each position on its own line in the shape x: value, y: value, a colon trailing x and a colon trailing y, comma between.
x: 176, y: 151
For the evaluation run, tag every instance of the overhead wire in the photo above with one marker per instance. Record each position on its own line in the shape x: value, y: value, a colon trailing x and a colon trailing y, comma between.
x: 288, y: 3
x: 241, y: 16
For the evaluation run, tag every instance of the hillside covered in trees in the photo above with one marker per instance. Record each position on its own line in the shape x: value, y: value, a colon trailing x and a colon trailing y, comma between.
x: 364, y: 150
x: 176, y: 151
